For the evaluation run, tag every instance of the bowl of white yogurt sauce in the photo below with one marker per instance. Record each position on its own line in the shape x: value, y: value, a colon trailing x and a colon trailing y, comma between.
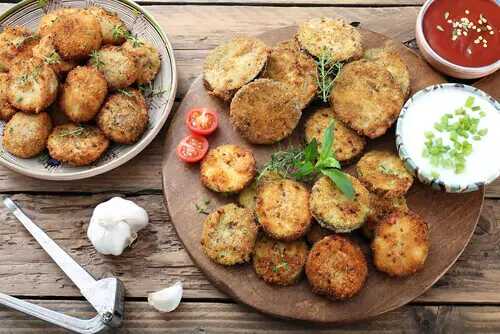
x: 448, y: 136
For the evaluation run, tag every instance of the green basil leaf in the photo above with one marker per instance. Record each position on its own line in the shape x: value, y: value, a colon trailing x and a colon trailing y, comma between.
x: 329, y: 162
x: 311, y: 151
x: 304, y: 168
x: 326, y: 147
x: 341, y: 181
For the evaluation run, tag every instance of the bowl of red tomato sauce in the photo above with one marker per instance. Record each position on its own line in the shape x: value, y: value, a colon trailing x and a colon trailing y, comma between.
x: 460, y: 38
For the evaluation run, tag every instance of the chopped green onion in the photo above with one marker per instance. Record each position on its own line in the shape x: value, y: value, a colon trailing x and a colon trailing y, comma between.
x: 469, y: 102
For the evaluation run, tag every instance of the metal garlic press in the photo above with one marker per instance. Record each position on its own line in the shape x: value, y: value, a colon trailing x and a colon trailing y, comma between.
x: 105, y: 295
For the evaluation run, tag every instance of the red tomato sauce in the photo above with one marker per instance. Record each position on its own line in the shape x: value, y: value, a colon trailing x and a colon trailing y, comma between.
x: 464, y: 32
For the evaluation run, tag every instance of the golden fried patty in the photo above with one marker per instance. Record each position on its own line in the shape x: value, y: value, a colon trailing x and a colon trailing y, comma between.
x: 227, y: 168
x: 248, y: 196
x: 392, y: 62
x: 381, y: 207
x: 117, y: 65
x: 334, y: 210
x: 234, y: 64
x: 401, y: 244
x: 278, y: 262
x: 83, y: 94
x: 229, y: 235
x: 282, y: 209
x: 77, y: 145
x: 6, y: 109
x: 147, y: 59
x: 124, y: 116
x: 316, y: 233
x: 336, y: 268
x: 46, y: 22
x: 338, y: 38
x: 33, y: 85
x: 46, y: 51
x: 289, y: 65
x: 366, y: 97
x: 347, y: 144
x: 265, y: 111
x: 15, y: 41
x: 383, y: 173
x: 25, y: 135
x: 113, y: 29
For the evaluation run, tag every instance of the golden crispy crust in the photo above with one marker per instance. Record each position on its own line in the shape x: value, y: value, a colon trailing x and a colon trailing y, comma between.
x: 277, y: 262
x: 341, y: 40
x: 227, y: 168
x: 289, y: 65
x: 248, y: 197
x: 380, y: 208
x: 336, y: 212
x: 46, y: 51
x: 316, y: 233
x: 401, y: 244
x: 25, y: 135
x: 108, y: 22
x: 83, y: 94
x: 124, y: 117
x: 366, y: 97
x: 117, y: 65
x: 384, y: 173
x: 231, y: 65
x: 265, y: 111
x: 147, y: 59
x: 282, y: 209
x: 47, y: 21
x: 347, y: 144
x: 15, y: 41
x: 77, y: 145
x: 336, y: 268
x: 6, y: 109
x: 229, y: 235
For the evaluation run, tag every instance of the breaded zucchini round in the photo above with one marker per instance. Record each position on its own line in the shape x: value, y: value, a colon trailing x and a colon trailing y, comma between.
x: 289, y: 65
x: 381, y: 207
x: 227, y: 168
x: 229, y: 235
x: 231, y: 65
x: 76, y: 35
x: 113, y: 29
x: 366, y: 97
x: 277, y: 262
x: 6, y: 109
x: 46, y: 51
x: 334, y: 210
x: 335, y: 36
x: 147, y: 59
x: 401, y: 244
x: 116, y: 64
x: 46, y: 22
x: 316, y: 233
x: 248, y: 196
x: 77, y: 145
x: 32, y: 86
x: 282, y: 209
x: 265, y: 111
x: 83, y: 94
x: 15, y: 41
x: 336, y: 267
x: 347, y: 144
x: 25, y: 135
x: 383, y: 173
x: 392, y: 62
x: 124, y: 116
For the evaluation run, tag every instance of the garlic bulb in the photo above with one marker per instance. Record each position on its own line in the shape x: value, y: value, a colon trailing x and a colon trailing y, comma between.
x: 168, y: 299
x: 114, y: 225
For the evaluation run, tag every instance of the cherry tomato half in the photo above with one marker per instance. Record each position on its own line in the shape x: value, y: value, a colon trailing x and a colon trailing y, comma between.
x: 192, y: 148
x: 202, y: 121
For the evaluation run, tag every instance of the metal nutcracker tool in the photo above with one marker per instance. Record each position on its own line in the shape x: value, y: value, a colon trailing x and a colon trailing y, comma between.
x: 105, y: 295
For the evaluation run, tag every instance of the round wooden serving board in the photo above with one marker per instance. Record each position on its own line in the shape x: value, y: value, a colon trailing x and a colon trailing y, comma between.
x: 452, y: 217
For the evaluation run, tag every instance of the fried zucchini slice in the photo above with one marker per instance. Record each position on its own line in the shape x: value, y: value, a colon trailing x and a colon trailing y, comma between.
x: 248, y: 197
x: 25, y: 135
x: 117, y: 65
x: 15, y: 41
x: 366, y: 97
x: 229, y: 235
x: 401, y: 244
x: 113, y: 29
x: 347, y: 144
x: 147, y: 59
x: 381, y: 207
x: 336, y: 268
x: 334, y: 210
x: 282, y: 209
x: 316, y: 233
x: 383, y: 173
x: 232, y: 65
x: 227, y: 168
x: 6, y: 109
x: 338, y: 38
x: 265, y: 111
x: 279, y: 263
x: 289, y: 65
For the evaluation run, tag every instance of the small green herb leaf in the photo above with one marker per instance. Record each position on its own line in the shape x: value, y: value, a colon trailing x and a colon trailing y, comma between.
x: 341, y: 181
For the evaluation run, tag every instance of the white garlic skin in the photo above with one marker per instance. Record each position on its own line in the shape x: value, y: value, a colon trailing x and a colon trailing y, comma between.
x: 168, y: 299
x: 114, y: 225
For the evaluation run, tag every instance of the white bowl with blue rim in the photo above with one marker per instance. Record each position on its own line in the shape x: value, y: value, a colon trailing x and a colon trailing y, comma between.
x: 28, y: 13
x: 417, y: 120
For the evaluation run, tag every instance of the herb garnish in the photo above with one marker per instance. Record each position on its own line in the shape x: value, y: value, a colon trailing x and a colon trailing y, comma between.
x: 283, y: 264
x: 202, y: 207
x: 120, y: 31
x: 95, y: 59
x: 125, y: 92
x: 303, y: 165
x: 42, y: 3
x: 326, y: 74
x: 52, y: 58
x: 24, y: 40
x: 148, y: 91
x: 78, y: 131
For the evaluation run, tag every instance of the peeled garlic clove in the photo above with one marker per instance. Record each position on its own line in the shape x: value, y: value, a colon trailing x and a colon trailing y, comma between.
x: 168, y: 299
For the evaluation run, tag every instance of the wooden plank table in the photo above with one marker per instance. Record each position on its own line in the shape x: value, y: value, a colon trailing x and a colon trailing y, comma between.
x: 466, y: 299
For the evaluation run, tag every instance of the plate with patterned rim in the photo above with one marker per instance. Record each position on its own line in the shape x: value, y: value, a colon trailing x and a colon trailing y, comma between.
x: 28, y: 13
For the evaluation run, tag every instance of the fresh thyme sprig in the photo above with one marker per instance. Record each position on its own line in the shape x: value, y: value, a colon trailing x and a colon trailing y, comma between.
x: 52, y: 58
x: 119, y: 31
x: 25, y: 40
x: 148, y: 91
x: 202, y: 207
x: 78, y: 131
x: 125, y: 92
x: 95, y: 59
x: 327, y: 72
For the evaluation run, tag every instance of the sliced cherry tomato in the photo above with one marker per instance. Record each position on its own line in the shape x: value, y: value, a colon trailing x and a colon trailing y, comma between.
x: 202, y: 121
x: 192, y: 148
